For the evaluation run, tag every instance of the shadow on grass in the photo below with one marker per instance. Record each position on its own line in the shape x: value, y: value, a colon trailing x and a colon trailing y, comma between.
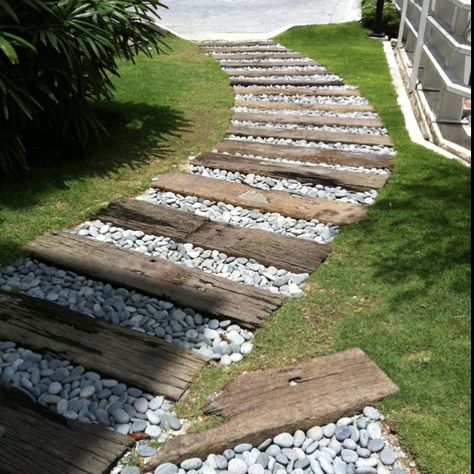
x: 138, y: 133
x: 420, y: 228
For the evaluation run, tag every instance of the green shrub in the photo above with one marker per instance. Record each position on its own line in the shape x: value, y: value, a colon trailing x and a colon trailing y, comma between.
x: 391, y: 17
x: 56, y: 58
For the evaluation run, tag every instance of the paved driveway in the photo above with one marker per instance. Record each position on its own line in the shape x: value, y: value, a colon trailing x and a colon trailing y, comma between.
x: 251, y: 19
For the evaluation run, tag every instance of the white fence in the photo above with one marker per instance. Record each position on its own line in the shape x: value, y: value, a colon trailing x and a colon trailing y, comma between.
x: 436, y: 35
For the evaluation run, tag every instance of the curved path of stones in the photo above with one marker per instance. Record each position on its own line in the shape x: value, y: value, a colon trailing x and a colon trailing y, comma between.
x: 202, y: 258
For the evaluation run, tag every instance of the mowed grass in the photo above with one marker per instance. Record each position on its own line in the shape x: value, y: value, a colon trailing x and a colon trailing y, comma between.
x: 397, y: 285
x: 165, y: 109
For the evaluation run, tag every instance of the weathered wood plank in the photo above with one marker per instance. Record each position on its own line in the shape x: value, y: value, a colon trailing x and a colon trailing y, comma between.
x: 115, y: 352
x: 271, y: 105
x: 258, y: 48
x: 294, y: 119
x: 311, y: 155
x: 267, y: 248
x: 211, y: 43
x: 308, y: 91
x: 188, y: 287
x: 262, y: 404
x: 312, y: 135
x: 258, y: 55
x: 237, y: 81
x: 35, y: 440
x: 304, y: 174
x: 262, y: 63
x: 299, y: 207
x: 281, y: 72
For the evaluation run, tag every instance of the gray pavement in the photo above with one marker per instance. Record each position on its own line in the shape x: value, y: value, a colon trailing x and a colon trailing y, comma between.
x: 251, y: 19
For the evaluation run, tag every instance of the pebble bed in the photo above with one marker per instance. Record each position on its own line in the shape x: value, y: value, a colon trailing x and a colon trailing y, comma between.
x: 309, y: 113
x: 305, y: 99
x: 290, y: 185
x: 76, y: 394
x: 249, y: 218
x: 374, y: 149
x: 238, y: 269
x: 279, y: 69
x: 351, y: 446
x: 377, y: 131
x: 262, y: 47
x: 308, y: 61
x: 142, y: 313
x: 360, y: 169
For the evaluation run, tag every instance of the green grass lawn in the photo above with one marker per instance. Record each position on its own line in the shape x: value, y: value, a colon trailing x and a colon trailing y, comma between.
x: 165, y: 109
x: 397, y: 284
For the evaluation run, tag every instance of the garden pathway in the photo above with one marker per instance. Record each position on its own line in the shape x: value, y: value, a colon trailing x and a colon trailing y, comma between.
x: 201, y: 260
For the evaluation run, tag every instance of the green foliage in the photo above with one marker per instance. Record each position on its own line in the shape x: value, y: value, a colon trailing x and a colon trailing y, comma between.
x: 391, y: 17
x: 56, y: 57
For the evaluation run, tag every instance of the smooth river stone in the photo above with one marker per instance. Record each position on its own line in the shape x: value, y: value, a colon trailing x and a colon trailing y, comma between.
x: 343, y: 432
x: 192, y: 464
x: 237, y: 466
x: 388, y: 457
x: 376, y: 445
x: 167, y: 468
x: 284, y: 440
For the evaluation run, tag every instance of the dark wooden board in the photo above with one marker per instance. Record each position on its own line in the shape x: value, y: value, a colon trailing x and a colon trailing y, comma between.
x: 236, y: 81
x: 307, y: 119
x: 187, y: 287
x: 299, y: 207
x: 271, y: 105
x: 113, y: 351
x: 282, y: 72
x: 271, y: 64
x: 259, y: 55
x: 311, y: 135
x: 35, y: 440
x: 267, y: 248
x: 304, y: 174
x: 309, y: 91
x: 262, y: 404
x: 311, y: 155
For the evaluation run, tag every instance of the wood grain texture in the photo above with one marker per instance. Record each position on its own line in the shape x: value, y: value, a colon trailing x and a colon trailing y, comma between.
x: 310, y: 155
x: 293, y: 119
x: 263, y: 404
x: 305, y: 174
x: 268, y: 105
x: 258, y: 48
x: 299, y: 207
x: 35, y: 440
x: 137, y: 359
x: 311, y: 135
x: 187, y: 287
x: 226, y: 44
x: 237, y: 81
x: 267, y: 248
x: 309, y: 91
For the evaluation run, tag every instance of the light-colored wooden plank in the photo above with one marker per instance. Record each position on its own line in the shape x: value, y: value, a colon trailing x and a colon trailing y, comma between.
x: 304, y: 174
x: 312, y: 135
x: 115, y: 352
x: 262, y: 404
x: 272, y: 105
x: 310, y: 155
x: 187, y: 287
x: 281, y: 72
x: 267, y: 248
x: 268, y: 64
x: 299, y: 207
x: 293, y: 119
x: 260, y: 55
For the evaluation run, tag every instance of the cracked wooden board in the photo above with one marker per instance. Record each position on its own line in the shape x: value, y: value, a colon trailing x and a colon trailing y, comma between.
x: 304, y: 174
x: 267, y: 248
x: 187, y: 287
x: 260, y: 405
x: 298, y: 207
x: 115, y: 352
x: 309, y: 155
x: 35, y: 440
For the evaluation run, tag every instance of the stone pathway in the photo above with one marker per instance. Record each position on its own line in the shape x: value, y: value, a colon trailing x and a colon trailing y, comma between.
x: 223, y: 231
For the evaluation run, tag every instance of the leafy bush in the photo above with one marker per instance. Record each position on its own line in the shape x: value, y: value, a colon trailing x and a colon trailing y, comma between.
x: 391, y: 17
x: 56, y: 58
